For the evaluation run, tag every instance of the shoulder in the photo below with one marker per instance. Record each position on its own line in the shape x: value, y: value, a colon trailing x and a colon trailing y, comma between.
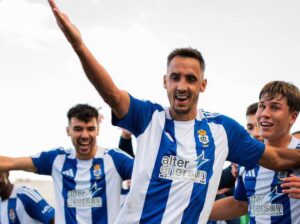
x: 215, y: 117
x: 116, y: 153
x: 26, y: 193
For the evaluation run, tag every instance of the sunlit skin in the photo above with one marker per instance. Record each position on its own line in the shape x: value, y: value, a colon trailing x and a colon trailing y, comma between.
x: 183, y: 82
x: 252, y: 127
x: 253, y: 130
x: 275, y: 121
x: 84, y: 136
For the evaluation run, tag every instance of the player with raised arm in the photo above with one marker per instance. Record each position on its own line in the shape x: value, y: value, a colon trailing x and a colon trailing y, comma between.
x: 181, y: 149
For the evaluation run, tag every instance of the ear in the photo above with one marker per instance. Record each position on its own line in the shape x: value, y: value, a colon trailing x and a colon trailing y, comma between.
x: 98, y: 130
x: 165, y: 81
x: 203, y: 85
x: 68, y: 130
x: 294, y: 115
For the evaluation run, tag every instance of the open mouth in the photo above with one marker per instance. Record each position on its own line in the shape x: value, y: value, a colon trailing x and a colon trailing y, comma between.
x: 266, y: 124
x: 181, y: 98
x: 84, y: 144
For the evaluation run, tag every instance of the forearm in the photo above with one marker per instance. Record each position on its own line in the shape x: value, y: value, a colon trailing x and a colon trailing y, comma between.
x: 280, y: 158
x: 228, y: 208
x: 5, y: 163
x: 117, y: 99
x: 20, y: 163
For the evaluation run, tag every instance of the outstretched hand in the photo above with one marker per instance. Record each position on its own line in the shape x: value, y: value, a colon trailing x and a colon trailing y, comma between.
x: 70, y: 31
x: 291, y: 186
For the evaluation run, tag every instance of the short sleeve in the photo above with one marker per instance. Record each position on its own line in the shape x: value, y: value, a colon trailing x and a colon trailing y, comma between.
x: 35, y: 205
x: 123, y: 163
x: 138, y: 117
x: 44, y: 161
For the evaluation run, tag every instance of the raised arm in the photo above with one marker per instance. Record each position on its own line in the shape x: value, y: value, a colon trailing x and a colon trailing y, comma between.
x: 117, y: 99
x: 280, y: 158
x: 19, y: 163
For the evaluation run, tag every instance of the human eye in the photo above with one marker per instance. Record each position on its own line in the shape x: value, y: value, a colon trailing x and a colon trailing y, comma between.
x: 275, y: 107
x: 191, y: 78
x: 250, y: 127
x: 174, y: 76
x: 77, y: 128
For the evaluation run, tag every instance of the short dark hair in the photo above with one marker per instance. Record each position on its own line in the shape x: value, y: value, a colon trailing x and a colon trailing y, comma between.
x: 284, y: 89
x: 83, y: 112
x: 296, y: 132
x: 187, y: 52
x: 251, y: 109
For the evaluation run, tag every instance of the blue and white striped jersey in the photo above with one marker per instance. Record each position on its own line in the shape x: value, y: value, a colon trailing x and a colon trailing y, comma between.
x: 178, y: 164
x: 25, y: 205
x: 260, y: 187
x: 86, y: 191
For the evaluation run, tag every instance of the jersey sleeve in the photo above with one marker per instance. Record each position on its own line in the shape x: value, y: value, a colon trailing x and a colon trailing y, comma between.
x: 123, y: 163
x: 138, y: 117
x: 35, y: 205
x: 243, y: 149
x: 44, y: 161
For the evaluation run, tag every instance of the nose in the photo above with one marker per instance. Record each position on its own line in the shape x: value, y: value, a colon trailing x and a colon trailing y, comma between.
x: 84, y: 133
x: 182, y: 86
x: 265, y: 112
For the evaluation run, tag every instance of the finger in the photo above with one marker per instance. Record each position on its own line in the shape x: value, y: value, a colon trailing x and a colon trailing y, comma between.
x: 52, y: 4
x: 296, y: 196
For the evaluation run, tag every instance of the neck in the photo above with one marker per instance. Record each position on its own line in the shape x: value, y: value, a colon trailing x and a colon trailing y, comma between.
x: 191, y: 115
x: 281, y: 142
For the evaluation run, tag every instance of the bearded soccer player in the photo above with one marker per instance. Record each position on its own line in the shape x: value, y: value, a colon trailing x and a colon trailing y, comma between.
x: 87, y: 178
x: 181, y: 149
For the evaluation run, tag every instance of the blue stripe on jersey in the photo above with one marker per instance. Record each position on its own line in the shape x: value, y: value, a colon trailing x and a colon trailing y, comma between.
x: 250, y: 178
x: 44, y: 161
x: 69, y: 172
x: 281, y: 198
x: 199, y: 190
x: 35, y: 206
x: 123, y: 163
x: 11, y: 209
x: 240, y: 143
x: 98, y: 189
x: 159, y: 186
x: 142, y: 112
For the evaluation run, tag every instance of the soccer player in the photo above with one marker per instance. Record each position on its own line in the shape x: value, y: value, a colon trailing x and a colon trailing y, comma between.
x: 181, y: 149
x: 259, y: 190
x: 20, y: 204
x: 87, y: 178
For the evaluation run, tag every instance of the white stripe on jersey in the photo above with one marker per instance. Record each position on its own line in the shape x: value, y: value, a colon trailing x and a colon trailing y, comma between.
x: 132, y: 209
x: 3, y: 212
x: 184, y: 132
x: 82, y: 180
x: 221, y: 152
x: 112, y: 200
x: 58, y: 181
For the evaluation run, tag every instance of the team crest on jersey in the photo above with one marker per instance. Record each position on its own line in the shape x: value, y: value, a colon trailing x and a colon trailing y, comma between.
x: 203, y: 137
x: 12, y: 215
x: 97, y: 171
